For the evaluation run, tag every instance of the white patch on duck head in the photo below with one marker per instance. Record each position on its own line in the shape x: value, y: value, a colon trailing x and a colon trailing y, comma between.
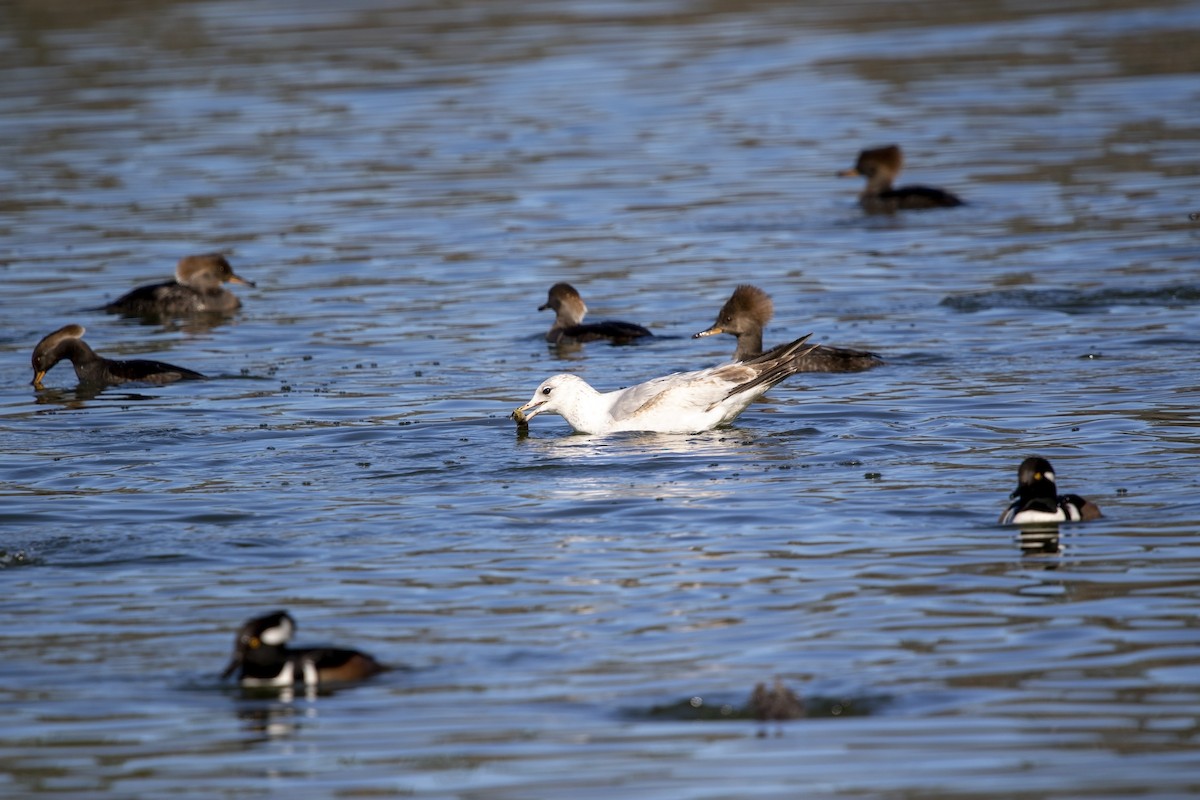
x: 278, y: 634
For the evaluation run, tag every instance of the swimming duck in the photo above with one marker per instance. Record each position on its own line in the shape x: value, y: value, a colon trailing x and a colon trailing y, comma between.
x: 775, y: 703
x: 197, y: 288
x: 569, y: 311
x: 747, y: 312
x: 880, y: 167
x: 261, y: 657
x: 95, y: 370
x: 1038, y: 501
x: 685, y: 402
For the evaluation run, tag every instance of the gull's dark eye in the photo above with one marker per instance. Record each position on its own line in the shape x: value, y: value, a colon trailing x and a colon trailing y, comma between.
x: 546, y: 390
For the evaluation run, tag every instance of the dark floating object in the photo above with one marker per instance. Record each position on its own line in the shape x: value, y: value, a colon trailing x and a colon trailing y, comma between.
x: 569, y: 311
x: 197, y: 288
x: 776, y: 703
x: 261, y: 657
x: 95, y: 370
x: 765, y: 704
x: 1039, y: 540
x: 745, y: 315
x: 880, y: 167
x: 1037, y: 500
x: 1070, y: 301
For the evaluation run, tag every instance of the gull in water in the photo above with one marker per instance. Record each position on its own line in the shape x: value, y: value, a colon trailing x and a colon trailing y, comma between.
x: 747, y: 312
x: 1036, y: 498
x: 569, y: 327
x: 685, y: 402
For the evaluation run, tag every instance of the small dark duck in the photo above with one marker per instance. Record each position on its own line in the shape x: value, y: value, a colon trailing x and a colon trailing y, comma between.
x: 262, y: 658
x: 880, y: 167
x: 775, y: 704
x: 197, y: 288
x: 569, y: 311
x: 747, y: 312
x: 95, y: 370
x: 1037, y: 499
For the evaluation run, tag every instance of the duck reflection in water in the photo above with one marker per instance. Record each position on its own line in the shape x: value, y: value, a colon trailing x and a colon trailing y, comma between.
x: 1040, y: 540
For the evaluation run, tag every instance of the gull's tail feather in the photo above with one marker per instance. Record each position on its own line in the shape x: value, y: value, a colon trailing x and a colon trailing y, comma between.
x: 777, y: 363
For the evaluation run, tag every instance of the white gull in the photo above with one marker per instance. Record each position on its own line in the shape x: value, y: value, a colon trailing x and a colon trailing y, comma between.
x: 685, y: 402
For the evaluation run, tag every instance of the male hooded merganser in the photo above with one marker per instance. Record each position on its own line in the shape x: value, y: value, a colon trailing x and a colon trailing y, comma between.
x: 569, y: 310
x: 880, y: 167
x: 1038, y: 501
x: 261, y: 657
x: 747, y: 312
x: 197, y: 288
x: 94, y: 370
x: 684, y: 402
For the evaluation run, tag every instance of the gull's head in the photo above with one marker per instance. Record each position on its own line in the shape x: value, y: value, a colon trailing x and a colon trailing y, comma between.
x: 554, y: 394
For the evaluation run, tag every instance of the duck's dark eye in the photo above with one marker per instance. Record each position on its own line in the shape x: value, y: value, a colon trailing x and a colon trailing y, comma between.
x: 546, y: 390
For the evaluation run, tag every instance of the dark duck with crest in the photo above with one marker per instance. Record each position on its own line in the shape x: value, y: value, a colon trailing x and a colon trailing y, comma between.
x: 745, y: 315
x: 1036, y: 498
x: 95, y: 370
x: 880, y: 167
x: 261, y: 657
x: 197, y: 288
x: 569, y: 311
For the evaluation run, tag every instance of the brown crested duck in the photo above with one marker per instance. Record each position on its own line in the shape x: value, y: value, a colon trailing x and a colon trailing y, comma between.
x: 747, y: 312
x: 775, y: 703
x: 569, y: 311
x: 95, y: 370
x: 197, y: 288
x: 880, y: 167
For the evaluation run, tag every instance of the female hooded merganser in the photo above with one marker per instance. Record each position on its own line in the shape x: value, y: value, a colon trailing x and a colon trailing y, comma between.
x: 880, y: 167
x: 94, y: 370
x: 197, y: 288
x: 747, y: 312
x: 261, y: 657
x: 569, y: 310
x: 776, y: 703
x: 685, y: 402
x: 1038, y: 501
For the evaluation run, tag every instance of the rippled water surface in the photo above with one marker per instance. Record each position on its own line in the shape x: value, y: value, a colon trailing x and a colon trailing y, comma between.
x: 587, y: 616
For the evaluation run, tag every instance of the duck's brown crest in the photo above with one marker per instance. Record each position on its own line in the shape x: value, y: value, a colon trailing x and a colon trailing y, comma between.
x: 190, y: 266
x: 72, y: 331
x: 891, y: 157
x: 749, y: 300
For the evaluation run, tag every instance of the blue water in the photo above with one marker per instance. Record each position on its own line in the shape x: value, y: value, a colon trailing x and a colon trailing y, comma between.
x: 404, y: 182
